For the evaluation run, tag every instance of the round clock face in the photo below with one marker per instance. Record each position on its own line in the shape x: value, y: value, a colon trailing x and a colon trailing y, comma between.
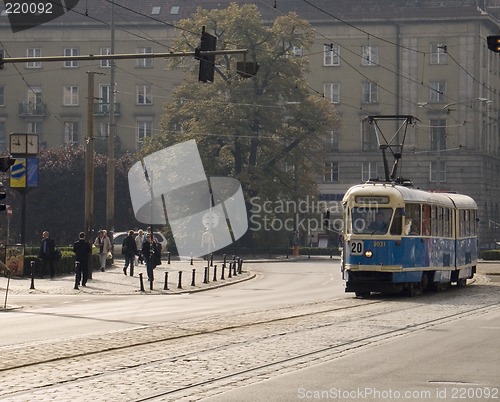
x: 32, y: 144
x: 18, y: 143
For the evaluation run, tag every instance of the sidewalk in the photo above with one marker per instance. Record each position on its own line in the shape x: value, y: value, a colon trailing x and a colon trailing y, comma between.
x: 114, y: 282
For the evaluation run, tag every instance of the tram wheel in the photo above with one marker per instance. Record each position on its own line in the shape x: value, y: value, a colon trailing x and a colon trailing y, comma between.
x: 462, y: 282
x: 362, y: 294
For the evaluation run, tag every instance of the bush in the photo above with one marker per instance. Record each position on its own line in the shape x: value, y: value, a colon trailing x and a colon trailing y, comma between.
x: 490, y: 255
x: 66, y: 265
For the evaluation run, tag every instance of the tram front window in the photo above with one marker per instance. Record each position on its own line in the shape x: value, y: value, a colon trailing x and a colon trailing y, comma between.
x: 370, y: 220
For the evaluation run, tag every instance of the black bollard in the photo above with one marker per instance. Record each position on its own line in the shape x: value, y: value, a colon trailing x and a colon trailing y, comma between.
x: 235, y: 267
x: 77, y: 269
x: 141, y: 282
x: 205, y: 277
x: 215, y: 274
x: 151, y: 285
x: 32, y: 266
x: 240, y: 266
x: 191, y: 260
x: 193, y: 276
x: 179, y: 283
x: 224, y: 260
x: 165, y: 285
x: 211, y: 260
x: 168, y: 258
x: 222, y: 273
x: 230, y: 271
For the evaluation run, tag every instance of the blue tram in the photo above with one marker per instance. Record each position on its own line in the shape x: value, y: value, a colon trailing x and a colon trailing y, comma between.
x: 398, y: 238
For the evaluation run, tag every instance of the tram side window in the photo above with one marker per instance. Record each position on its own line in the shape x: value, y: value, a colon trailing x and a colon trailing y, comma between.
x: 412, y: 219
x: 426, y: 220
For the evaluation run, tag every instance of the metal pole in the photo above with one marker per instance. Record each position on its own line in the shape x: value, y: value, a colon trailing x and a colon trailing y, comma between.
x: 110, y: 178
x: 89, y: 167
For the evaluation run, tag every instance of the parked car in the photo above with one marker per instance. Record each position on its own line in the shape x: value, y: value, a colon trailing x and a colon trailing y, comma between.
x: 119, y: 236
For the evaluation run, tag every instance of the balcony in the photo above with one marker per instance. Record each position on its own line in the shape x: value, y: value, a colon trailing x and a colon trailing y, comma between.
x: 29, y: 109
x: 102, y: 109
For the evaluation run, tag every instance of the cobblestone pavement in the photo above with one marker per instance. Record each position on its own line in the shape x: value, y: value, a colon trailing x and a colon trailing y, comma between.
x: 191, y: 360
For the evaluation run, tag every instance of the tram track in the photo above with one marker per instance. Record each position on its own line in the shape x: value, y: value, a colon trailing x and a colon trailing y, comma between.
x: 212, y: 355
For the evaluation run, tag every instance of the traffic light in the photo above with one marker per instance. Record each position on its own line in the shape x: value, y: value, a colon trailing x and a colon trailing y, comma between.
x: 207, y: 62
x: 6, y: 162
x: 247, y: 69
x: 494, y: 43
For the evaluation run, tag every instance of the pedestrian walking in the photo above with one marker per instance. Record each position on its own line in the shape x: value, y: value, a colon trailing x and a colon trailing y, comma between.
x: 148, y: 253
x: 82, y: 250
x: 102, y: 241
x: 47, y: 253
x: 139, y: 240
x: 129, y: 251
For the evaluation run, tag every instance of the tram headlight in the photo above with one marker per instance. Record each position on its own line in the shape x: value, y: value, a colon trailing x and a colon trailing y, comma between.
x: 368, y: 253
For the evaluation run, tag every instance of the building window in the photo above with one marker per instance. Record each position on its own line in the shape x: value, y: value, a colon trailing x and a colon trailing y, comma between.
x: 144, y: 63
x: 369, y: 170
x: 369, y: 92
x: 3, y: 135
x: 71, y: 132
x: 331, y: 55
x: 332, y: 140
x: 35, y: 104
x: 332, y: 91
x: 34, y: 127
x: 437, y: 91
x: 438, y: 53
x: 369, y: 137
x: 438, y: 134
x: 34, y: 52
x: 144, y: 128
x: 144, y: 96
x: 435, y: 175
x: 297, y: 51
x: 103, y: 130
x: 331, y: 172
x: 369, y: 55
x: 104, y: 52
x: 70, y: 96
x: 68, y: 53
x: 2, y: 96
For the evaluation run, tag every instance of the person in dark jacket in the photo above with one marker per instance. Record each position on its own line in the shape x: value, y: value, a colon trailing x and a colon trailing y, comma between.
x: 82, y: 250
x: 148, y: 253
x: 129, y: 250
x: 47, y: 254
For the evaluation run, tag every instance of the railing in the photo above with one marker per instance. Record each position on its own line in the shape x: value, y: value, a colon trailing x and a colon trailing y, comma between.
x: 32, y: 109
x: 102, y: 109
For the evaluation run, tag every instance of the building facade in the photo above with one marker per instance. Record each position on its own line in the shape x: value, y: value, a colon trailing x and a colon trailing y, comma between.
x: 424, y: 58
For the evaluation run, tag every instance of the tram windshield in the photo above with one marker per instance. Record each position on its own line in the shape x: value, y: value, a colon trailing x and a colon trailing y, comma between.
x: 366, y: 220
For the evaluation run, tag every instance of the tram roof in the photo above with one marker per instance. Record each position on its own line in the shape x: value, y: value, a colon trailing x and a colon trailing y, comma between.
x: 410, y: 194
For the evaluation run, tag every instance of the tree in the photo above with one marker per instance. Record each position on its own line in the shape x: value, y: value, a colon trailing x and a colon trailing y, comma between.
x: 267, y: 131
x: 57, y: 204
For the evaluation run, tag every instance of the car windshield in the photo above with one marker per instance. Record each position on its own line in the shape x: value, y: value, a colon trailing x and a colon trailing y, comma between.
x: 370, y: 220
